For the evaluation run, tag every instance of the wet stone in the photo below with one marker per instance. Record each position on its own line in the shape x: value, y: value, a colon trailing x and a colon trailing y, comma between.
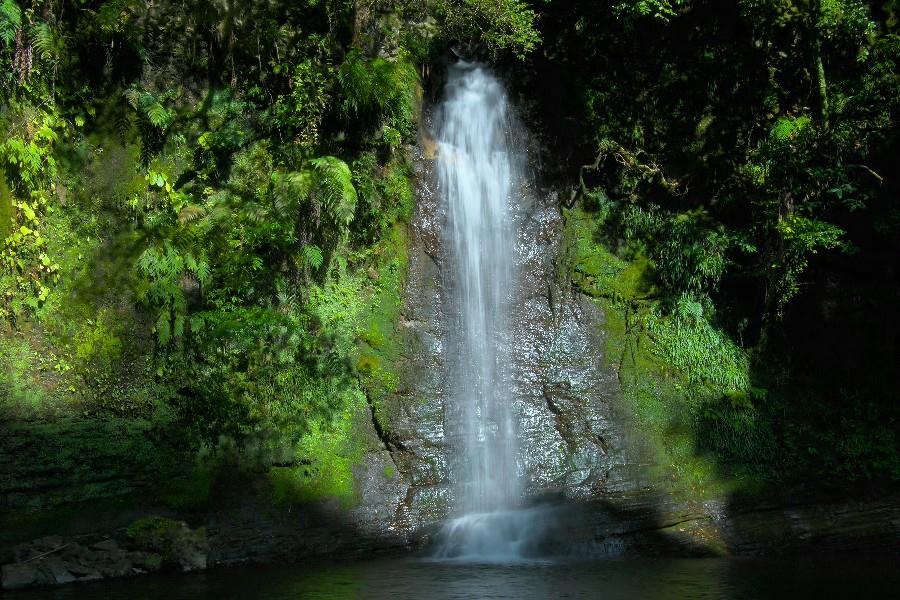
x: 20, y: 575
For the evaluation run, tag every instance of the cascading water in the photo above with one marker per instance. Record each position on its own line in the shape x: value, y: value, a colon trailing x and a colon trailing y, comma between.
x: 477, y: 176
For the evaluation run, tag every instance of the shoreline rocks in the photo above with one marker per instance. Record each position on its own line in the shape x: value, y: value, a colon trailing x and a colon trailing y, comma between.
x: 150, y: 544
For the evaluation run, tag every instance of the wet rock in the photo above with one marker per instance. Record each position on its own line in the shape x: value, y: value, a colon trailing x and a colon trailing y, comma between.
x: 106, y: 546
x: 179, y: 546
x: 57, y: 570
x: 83, y: 572
x: 19, y: 575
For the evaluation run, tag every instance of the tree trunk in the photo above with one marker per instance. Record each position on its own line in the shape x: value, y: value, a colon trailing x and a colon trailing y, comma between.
x: 819, y: 66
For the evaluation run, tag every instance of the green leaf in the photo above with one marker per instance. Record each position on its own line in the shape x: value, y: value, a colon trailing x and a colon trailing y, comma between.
x: 10, y: 21
x: 163, y: 332
x: 312, y: 256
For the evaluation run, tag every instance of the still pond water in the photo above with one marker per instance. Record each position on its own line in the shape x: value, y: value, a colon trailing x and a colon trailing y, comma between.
x: 399, y: 579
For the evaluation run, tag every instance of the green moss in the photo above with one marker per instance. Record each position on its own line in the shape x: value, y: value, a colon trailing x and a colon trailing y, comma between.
x: 20, y: 395
x: 152, y: 562
x: 169, y: 540
x: 148, y: 533
x: 671, y: 365
x: 327, y: 458
x: 382, y: 347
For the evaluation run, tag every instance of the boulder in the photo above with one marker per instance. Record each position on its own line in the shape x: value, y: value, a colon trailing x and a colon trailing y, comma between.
x: 57, y: 571
x: 179, y: 546
x: 19, y: 575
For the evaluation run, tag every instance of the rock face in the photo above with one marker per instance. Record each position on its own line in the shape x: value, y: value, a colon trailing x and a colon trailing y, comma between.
x: 572, y: 444
x: 580, y: 455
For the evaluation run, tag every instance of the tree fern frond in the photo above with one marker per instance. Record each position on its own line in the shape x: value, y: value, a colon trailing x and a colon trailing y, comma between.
x: 10, y: 21
x: 158, y: 115
x: 191, y: 213
x: 312, y: 256
x: 178, y: 328
x: 290, y: 189
x: 356, y: 84
x: 44, y: 41
x: 203, y: 271
x: 133, y: 96
x: 163, y: 331
x: 335, y: 184
x: 218, y: 211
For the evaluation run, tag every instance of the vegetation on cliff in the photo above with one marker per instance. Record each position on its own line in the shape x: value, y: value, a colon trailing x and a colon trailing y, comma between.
x: 737, y: 214
x: 202, y: 242
x: 202, y: 209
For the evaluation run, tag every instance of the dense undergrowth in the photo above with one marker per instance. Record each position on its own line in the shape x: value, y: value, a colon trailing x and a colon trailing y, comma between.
x: 203, y: 210
x: 737, y: 217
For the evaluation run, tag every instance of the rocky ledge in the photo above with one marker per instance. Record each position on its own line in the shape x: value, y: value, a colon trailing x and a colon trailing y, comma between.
x: 149, y: 544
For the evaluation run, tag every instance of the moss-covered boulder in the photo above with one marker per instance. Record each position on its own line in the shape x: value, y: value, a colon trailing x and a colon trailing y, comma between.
x: 177, y: 545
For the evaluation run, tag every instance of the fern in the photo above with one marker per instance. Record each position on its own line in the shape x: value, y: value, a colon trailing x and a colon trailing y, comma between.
x: 163, y: 270
x: 290, y: 189
x: 356, y: 84
x: 334, y: 185
x: 44, y: 41
x: 328, y: 183
x: 158, y: 115
x: 149, y: 106
x: 379, y: 91
x: 133, y: 96
x: 10, y: 21
x: 312, y: 256
x: 191, y: 213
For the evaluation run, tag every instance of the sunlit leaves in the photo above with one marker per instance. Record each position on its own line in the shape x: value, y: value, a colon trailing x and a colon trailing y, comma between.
x: 659, y: 9
x: 803, y: 237
x: 500, y: 25
x: 788, y: 129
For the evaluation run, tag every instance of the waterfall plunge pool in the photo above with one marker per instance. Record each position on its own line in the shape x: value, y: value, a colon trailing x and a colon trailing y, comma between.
x: 408, y: 578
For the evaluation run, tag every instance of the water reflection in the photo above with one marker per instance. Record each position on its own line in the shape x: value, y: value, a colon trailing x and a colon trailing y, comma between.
x: 400, y: 579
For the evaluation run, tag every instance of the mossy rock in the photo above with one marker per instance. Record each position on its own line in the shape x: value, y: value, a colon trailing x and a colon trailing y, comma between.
x: 178, y: 545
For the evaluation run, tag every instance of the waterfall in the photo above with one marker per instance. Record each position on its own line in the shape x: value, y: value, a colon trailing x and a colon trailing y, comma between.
x: 478, y: 176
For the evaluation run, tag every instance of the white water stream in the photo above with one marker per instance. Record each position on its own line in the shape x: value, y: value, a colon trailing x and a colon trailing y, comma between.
x: 477, y: 179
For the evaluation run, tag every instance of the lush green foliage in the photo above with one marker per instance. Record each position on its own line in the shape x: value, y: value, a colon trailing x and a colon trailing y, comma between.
x: 190, y: 224
x: 500, y: 25
x: 744, y: 155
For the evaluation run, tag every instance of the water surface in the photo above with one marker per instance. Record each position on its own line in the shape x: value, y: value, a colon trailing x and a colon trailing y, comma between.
x: 399, y: 579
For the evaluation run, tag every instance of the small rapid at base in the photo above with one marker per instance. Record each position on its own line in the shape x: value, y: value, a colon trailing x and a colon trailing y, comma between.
x: 503, y: 537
